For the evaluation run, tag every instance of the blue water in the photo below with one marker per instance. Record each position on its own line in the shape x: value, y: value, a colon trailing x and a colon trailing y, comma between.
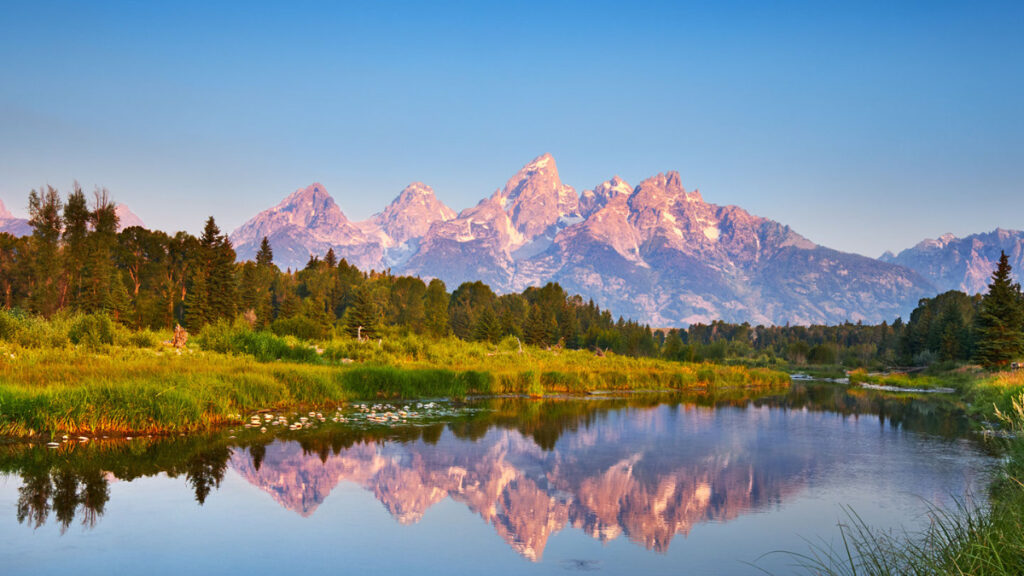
x: 669, y: 488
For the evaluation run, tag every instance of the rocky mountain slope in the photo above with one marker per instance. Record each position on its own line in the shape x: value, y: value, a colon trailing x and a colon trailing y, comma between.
x: 655, y: 253
x: 309, y: 222
x: 126, y: 218
x: 12, y: 225
x: 964, y: 264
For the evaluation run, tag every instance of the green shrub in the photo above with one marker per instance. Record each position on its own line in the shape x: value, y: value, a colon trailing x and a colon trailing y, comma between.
x: 92, y: 331
x: 299, y: 327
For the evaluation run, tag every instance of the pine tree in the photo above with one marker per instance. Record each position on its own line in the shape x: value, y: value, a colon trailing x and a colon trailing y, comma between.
x: 1000, y: 319
x: 217, y: 263
x: 45, y: 218
x: 435, y: 308
x: 75, y: 236
x: 99, y: 275
x: 487, y: 328
x: 330, y: 258
x: 265, y: 255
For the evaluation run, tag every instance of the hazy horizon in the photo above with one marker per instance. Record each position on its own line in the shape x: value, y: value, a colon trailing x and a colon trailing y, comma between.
x: 864, y: 127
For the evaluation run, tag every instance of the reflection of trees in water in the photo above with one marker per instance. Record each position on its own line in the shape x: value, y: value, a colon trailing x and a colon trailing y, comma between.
x: 940, y: 415
x: 66, y: 492
x: 72, y: 482
x: 205, y: 470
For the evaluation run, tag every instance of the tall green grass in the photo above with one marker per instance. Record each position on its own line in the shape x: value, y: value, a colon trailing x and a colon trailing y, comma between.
x: 85, y: 375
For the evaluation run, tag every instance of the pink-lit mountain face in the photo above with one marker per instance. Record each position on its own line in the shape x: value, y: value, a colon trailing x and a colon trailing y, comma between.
x: 653, y: 252
x: 126, y: 218
x: 964, y: 264
x: 11, y: 225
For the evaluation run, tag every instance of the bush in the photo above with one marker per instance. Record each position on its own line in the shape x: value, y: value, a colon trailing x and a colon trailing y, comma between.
x: 238, y: 338
x: 300, y: 327
x: 92, y: 331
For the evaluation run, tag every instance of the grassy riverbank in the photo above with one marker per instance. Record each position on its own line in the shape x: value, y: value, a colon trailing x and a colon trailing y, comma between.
x: 86, y: 377
x: 964, y: 540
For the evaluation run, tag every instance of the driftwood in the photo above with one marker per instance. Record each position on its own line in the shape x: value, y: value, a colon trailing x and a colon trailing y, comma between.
x: 180, y: 336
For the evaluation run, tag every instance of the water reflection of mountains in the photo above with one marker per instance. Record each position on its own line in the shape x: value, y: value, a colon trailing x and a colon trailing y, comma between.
x: 648, y: 475
x: 638, y: 468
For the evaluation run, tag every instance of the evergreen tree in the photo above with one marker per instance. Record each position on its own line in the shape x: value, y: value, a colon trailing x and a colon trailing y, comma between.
x: 215, y: 276
x: 487, y: 328
x: 367, y: 309
x: 45, y: 218
x: 75, y: 236
x: 435, y: 308
x: 197, y: 306
x: 265, y: 255
x: 1000, y: 319
x: 100, y: 274
x: 330, y: 258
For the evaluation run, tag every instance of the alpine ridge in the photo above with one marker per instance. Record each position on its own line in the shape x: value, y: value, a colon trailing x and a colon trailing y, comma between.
x: 655, y: 252
x: 10, y: 224
x: 964, y: 264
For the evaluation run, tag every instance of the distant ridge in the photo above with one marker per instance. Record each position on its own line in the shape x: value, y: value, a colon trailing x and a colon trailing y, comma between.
x: 964, y: 264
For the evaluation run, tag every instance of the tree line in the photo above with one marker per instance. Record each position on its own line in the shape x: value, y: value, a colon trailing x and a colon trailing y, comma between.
x: 76, y: 260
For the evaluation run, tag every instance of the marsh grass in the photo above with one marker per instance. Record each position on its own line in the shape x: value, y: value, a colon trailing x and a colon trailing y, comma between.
x: 80, y: 375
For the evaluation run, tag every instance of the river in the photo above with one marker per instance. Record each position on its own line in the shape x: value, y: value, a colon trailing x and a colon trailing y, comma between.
x: 641, y: 484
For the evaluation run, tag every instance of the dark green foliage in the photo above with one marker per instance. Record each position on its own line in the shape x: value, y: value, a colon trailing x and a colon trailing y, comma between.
x: 299, y: 326
x: 366, y: 313
x: 435, y: 308
x: 1000, y: 321
x: 265, y: 255
x: 45, y: 218
x: 227, y: 338
x: 92, y: 331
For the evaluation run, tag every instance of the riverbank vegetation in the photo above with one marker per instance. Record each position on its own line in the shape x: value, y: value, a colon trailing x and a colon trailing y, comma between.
x: 85, y: 374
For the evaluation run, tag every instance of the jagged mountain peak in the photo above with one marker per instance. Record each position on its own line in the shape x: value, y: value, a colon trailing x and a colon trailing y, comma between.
x: 593, y: 200
x: 4, y: 212
x: 659, y: 191
x: 535, y: 198
x: 412, y: 213
x: 126, y: 218
x: 315, y: 193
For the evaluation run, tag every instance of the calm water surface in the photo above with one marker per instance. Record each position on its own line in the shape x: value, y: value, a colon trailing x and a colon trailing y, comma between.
x: 617, y: 486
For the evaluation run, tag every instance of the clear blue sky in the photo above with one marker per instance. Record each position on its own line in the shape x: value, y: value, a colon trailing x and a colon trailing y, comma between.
x: 865, y: 126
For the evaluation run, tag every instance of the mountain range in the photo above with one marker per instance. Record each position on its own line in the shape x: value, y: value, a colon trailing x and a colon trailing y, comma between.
x: 652, y: 252
x: 964, y: 264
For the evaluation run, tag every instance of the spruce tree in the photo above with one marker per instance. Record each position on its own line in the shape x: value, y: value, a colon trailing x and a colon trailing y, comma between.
x: 45, y: 218
x: 265, y: 255
x: 99, y: 275
x: 435, y: 308
x: 217, y: 261
x: 487, y: 328
x: 1000, y: 319
x: 330, y: 258
x: 75, y: 236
